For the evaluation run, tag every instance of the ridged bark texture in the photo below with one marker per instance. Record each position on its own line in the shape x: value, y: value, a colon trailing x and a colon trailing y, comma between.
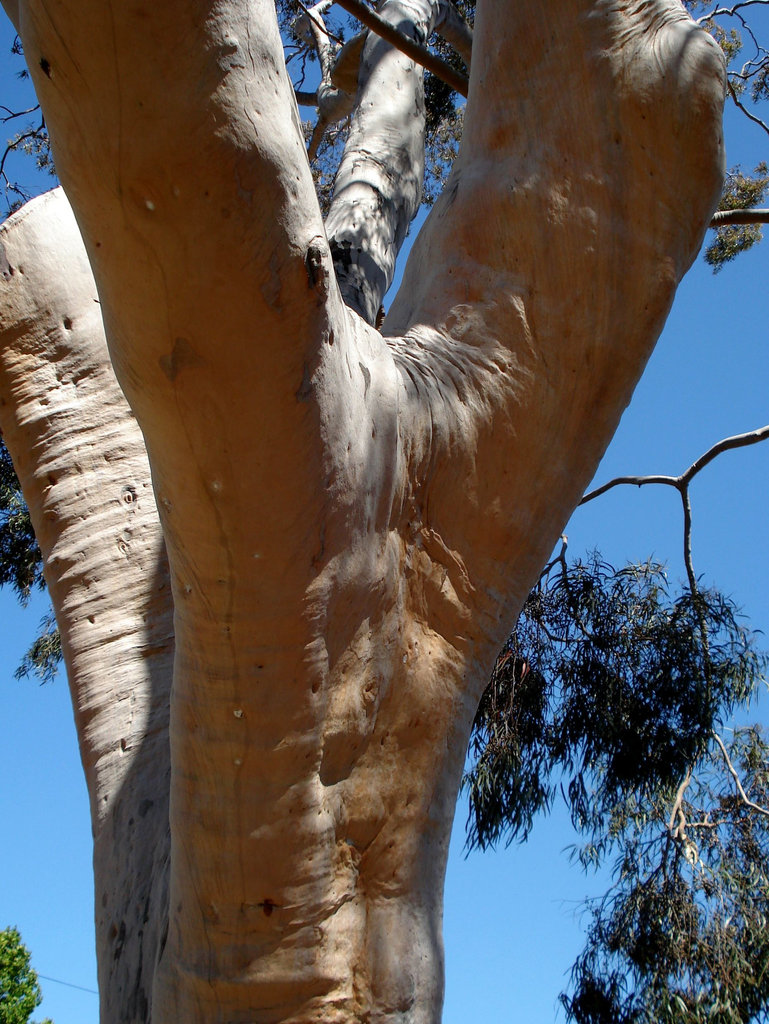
x: 83, y: 467
x: 352, y: 521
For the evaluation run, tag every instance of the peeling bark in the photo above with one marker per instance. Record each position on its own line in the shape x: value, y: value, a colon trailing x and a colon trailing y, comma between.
x: 352, y: 521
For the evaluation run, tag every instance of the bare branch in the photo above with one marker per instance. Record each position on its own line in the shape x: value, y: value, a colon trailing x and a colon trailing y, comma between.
x: 727, y: 444
x: 733, y: 772
x: 723, y: 12
x: 746, y: 112
x: 674, y: 829
x: 315, y: 14
x: 402, y: 42
x: 9, y: 114
x: 638, y: 481
x: 687, y: 506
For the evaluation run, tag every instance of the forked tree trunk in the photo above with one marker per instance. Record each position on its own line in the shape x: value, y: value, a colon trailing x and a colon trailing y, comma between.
x: 352, y: 520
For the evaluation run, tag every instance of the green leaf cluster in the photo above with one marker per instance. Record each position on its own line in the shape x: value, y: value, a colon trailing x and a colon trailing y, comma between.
x: 606, y: 692
x: 21, y: 565
x: 21, y: 568
x: 681, y: 937
x: 612, y: 691
x: 20, y: 992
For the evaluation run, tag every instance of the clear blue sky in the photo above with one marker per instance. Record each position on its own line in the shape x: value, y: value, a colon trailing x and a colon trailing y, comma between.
x: 512, y: 920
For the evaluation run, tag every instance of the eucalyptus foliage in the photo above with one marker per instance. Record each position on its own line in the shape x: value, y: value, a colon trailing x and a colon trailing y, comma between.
x: 681, y: 937
x: 613, y: 691
x: 606, y: 692
x: 21, y: 565
x: 21, y: 568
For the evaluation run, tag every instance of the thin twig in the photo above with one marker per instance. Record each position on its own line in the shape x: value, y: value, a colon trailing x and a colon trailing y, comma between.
x: 11, y: 114
x: 746, y: 112
x: 724, y: 12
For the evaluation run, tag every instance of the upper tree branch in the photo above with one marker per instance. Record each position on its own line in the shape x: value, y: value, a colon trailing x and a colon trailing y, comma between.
x: 455, y: 30
x: 726, y: 444
x: 402, y: 42
x: 733, y: 772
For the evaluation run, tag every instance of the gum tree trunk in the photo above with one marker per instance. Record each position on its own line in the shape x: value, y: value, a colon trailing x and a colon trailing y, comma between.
x: 352, y: 519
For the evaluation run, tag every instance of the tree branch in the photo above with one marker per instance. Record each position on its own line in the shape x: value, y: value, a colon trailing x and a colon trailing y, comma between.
x: 744, y: 109
x: 677, y: 810
x: 719, y: 12
x: 724, y: 217
x: 402, y: 42
x: 726, y: 444
x: 733, y: 772
x: 639, y: 481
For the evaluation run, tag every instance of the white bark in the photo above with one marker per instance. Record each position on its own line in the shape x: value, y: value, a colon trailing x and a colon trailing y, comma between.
x: 352, y: 521
x: 378, y: 186
x: 81, y: 461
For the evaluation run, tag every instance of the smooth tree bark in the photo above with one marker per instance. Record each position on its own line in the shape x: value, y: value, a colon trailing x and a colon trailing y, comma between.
x: 351, y: 518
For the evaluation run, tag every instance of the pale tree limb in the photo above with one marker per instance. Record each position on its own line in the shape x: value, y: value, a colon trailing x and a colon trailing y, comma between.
x: 722, y: 218
x: 726, y: 444
x: 677, y: 830
x: 735, y: 775
x: 419, y: 54
x: 333, y: 104
x: 83, y: 467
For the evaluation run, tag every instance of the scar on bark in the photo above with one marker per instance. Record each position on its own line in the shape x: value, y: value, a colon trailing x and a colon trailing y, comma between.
x: 317, y: 273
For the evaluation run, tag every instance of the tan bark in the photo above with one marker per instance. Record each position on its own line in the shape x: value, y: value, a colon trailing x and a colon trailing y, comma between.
x: 352, y: 521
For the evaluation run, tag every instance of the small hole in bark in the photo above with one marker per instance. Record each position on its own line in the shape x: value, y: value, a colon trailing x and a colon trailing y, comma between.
x: 67, y: 322
x: 45, y: 65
